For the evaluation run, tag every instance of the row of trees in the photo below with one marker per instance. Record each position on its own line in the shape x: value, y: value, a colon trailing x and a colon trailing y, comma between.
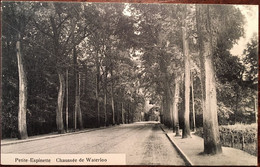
x: 90, y: 65
x: 78, y: 54
x: 188, y: 68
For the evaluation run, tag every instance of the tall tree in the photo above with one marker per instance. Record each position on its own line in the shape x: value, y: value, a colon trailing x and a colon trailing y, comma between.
x: 97, y: 62
x: 193, y: 105
x: 67, y: 100
x: 112, y: 95
x: 17, y: 18
x: 251, y: 62
x: 212, y: 143
x: 105, y: 95
x: 251, y: 72
x: 77, y: 109
x: 175, y: 105
x: 22, y: 127
x: 186, y: 126
x: 59, y: 25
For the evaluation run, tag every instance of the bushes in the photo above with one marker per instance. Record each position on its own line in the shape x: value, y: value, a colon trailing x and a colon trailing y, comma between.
x: 238, y: 136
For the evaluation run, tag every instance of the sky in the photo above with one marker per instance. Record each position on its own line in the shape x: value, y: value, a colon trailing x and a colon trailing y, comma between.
x: 251, y: 26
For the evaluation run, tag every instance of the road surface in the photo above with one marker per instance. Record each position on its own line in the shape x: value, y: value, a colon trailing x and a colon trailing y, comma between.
x: 143, y: 143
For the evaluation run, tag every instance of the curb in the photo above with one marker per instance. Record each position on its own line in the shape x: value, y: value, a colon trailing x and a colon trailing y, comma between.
x: 183, y: 155
x: 51, y: 136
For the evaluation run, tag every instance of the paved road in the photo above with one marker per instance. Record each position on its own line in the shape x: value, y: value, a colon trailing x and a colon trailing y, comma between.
x: 143, y: 144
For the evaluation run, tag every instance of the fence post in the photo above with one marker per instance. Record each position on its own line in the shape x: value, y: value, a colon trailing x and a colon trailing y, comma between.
x: 223, y: 139
x: 232, y: 140
x: 243, y: 142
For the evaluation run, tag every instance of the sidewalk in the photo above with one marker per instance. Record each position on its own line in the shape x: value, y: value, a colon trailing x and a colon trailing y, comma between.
x: 47, y: 136
x: 52, y: 135
x: 193, y: 147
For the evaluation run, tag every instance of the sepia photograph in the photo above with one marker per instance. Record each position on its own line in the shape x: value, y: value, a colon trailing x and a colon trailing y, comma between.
x: 87, y: 83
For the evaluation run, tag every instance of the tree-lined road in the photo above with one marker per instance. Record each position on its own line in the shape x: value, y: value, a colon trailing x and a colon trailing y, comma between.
x: 70, y: 66
x: 143, y: 143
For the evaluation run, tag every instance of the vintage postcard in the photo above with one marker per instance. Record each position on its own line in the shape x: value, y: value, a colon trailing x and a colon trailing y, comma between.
x: 129, y: 84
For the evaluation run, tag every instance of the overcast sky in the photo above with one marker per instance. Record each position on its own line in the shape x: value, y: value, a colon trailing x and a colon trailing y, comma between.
x: 251, y: 14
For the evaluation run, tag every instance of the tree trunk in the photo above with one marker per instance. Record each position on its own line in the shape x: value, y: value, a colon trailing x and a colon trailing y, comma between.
x: 167, y: 94
x: 97, y: 90
x: 105, y: 97
x: 67, y: 100
x: 202, y: 61
x: 76, y: 88
x: 125, y: 117
x: 59, y: 117
x: 170, y: 109
x: 237, y: 103
x: 212, y: 144
x: 163, y: 110
x: 128, y: 112
x: 175, y: 106
x: 105, y: 107
x: 256, y: 109
x: 112, y: 97
x: 77, y: 109
x: 186, y: 126
x: 193, y: 105
x: 113, y: 109
x: 61, y: 92
x: 168, y: 103
x: 118, y: 114
x: 168, y: 116
x: 132, y: 115
x: 79, y: 113
x: 122, y: 112
x: 22, y: 127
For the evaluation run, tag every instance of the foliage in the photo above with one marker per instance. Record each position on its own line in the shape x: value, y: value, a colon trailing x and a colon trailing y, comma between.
x: 251, y: 63
x: 53, y: 30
